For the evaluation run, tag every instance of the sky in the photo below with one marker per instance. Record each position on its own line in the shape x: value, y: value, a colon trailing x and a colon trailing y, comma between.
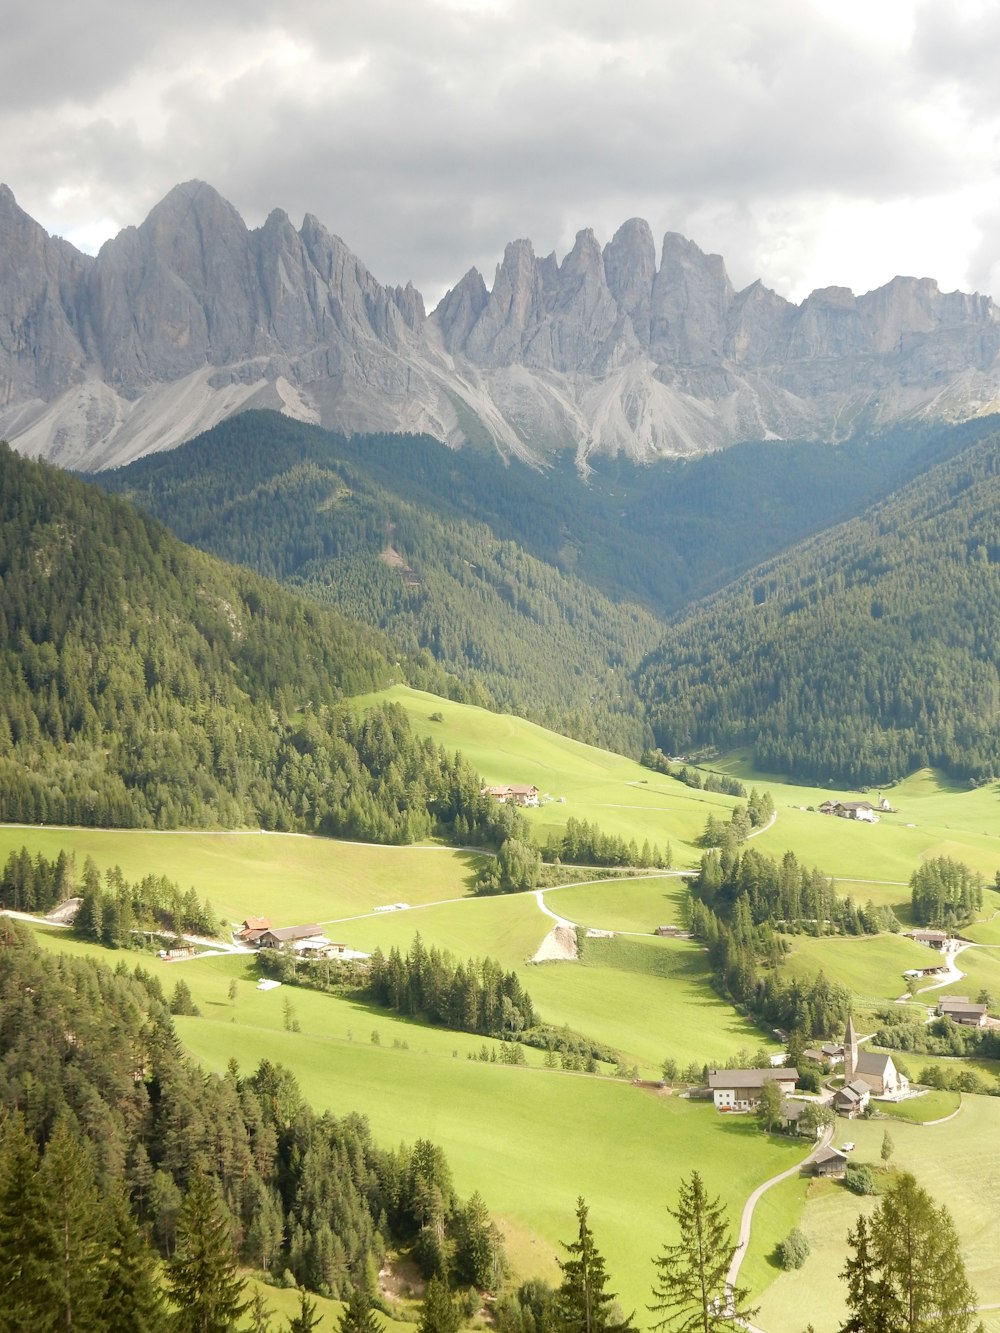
x: 811, y: 143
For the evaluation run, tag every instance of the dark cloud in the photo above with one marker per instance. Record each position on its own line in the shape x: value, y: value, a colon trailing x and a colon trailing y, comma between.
x: 428, y: 133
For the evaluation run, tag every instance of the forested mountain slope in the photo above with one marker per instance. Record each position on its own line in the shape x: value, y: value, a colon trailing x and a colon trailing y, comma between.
x: 544, y: 591
x: 862, y: 655
x: 144, y: 683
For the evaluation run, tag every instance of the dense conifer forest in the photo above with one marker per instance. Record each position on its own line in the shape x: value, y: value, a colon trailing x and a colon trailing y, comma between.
x: 860, y: 656
x: 143, y: 684
x: 92, y: 1074
x: 542, y: 590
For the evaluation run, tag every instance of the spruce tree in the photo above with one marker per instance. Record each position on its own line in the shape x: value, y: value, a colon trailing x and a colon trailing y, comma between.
x: 582, y: 1303
x: 306, y: 1319
x: 69, y: 1190
x: 28, y: 1255
x: 358, y: 1316
x: 870, y: 1302
x: 440, y: 1313
x: 132, y: 1297
x: 691, y: 1290
x: 202, y: 1276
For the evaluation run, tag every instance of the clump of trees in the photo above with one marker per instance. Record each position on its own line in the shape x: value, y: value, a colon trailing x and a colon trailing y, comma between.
x: 476, y: 996
x: 92, y: 1061
x: 946, y: 893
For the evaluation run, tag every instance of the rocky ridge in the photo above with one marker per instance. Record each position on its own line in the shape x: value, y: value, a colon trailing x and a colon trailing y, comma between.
x: 191, y: 316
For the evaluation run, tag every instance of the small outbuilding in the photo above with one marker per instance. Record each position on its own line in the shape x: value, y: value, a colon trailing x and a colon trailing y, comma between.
x: 829, y: 1162
x: 961, y: 1010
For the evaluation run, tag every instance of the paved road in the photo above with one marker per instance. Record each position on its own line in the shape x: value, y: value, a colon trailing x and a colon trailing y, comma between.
x: 744, y: 1237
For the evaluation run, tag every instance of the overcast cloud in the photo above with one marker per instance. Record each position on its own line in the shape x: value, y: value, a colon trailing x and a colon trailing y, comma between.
x: 810, y: 142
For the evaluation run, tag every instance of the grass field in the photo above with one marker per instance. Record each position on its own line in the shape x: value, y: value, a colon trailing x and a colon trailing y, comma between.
x: 287, y: 876
x: 870, y: 966
x: 638, y: 905
x: 956, y: 1162
x: 620, y: 1147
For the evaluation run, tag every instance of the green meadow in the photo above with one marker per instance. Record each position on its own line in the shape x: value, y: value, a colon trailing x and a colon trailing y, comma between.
x: 576, y: 780
x: 287, y: 876
x: 931, y: 815
x: 870, y: 966
x: 532, y: 1139
x: 956, y: 1162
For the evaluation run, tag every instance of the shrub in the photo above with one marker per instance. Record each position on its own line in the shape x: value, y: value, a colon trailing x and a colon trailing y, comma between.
x: 793, y: 1251
x: 859, y: 1179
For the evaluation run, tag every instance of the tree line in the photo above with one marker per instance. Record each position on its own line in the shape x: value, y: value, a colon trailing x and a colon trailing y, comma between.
x: 746, y: 889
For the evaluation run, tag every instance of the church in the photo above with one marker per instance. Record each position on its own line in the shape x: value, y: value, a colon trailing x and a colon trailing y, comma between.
x: 878, y: 1072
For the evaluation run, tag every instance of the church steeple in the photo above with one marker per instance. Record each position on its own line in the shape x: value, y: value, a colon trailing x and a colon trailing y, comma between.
x: 850, y: 1050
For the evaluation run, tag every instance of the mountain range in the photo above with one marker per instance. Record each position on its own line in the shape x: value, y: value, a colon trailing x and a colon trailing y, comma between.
x: 191, y: 317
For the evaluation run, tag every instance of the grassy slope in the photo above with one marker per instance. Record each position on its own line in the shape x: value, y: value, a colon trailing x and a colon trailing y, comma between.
x: 289, y: 876
x: 619, y: 794
x: 956, y: 1162
x: 623, y: 1148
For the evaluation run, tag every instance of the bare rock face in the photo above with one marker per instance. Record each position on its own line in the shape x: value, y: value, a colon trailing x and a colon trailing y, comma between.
x: 192, y: 316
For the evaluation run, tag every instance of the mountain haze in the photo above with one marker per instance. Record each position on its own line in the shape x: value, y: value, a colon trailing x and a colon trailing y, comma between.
x: 191, y: 316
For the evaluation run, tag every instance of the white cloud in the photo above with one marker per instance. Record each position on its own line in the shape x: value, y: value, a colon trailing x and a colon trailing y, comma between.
x: 811, y: 142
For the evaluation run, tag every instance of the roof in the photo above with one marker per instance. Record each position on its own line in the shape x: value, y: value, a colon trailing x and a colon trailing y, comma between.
x: 257, y: 923
x: 749, y: 1078
x: 928, y: 934
x: 956, y: 1004
x: 870, y: 1062
x: 830, y: 1155
x: 285, y: 933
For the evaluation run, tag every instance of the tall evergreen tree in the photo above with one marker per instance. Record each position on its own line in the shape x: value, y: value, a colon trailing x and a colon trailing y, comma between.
x: 582, y: 1303
x: 870, y: 1302
x: 202, y: 1276
x: 690, y: 1288
x: 67, y: 1184
x: 919, y: 1257
x: 28, y: 1254
x: 132, y: 1297
x: 358, y: 1315
x: 440, y: 1313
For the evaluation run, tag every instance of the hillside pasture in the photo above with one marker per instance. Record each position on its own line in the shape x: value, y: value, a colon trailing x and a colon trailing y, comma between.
x: 287, y: 876
x: 638, y: 905
x: 576, y: 780
x: 956, y: 1162
x: 530, y: 1140
x: 931, y: 816
x: 870, y: 966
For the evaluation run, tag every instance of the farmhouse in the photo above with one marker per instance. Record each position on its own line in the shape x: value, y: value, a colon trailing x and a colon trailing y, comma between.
x: 520, y: 793
x: 934, y: 939
x: 862, y: 810
x: 878, y: 1072
x: 739, y: 1089
x: 959, y: 1009
x: 852, y: 1099
x: 252, y: 928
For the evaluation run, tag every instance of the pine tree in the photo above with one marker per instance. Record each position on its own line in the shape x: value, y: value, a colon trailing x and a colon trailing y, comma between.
x: 306, y: 1319
x: 202, y: 1276
x: 691, y: 1289
x: 440, y: 1313
x: 869, y: 1300
x: 68, y: 1188
x: 132, y: 1297
x: 918, y: 1254
x: 28, y: 1254
x: 358, y: 1316
x: 582, y: 1303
